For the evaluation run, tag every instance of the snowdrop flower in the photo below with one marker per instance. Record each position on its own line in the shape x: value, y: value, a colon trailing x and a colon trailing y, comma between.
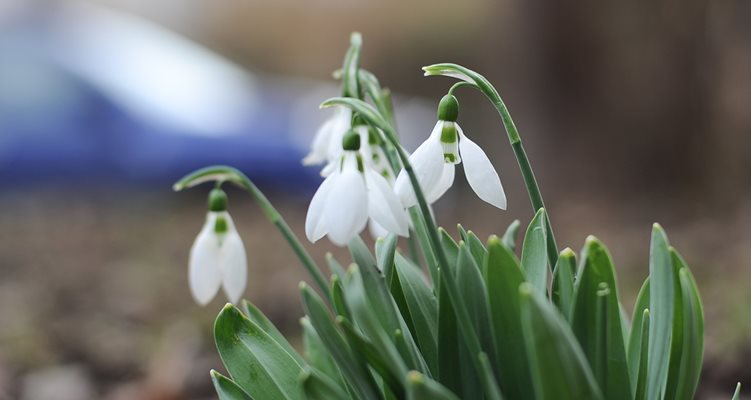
x: 217, y: 257
x: 350, y: 194
x: 327, y: 143
x: 435, y: 159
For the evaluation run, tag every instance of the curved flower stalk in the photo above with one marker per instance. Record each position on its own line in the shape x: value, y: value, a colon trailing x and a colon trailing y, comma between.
x: 217, y: 257
x: 435, y: 159
x: 350, y: 194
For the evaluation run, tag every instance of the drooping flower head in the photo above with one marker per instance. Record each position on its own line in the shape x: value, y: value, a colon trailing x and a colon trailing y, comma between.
x: 435, y: 159
x: 217, y: 257
x: 326, y: 144
x: 351, y: 193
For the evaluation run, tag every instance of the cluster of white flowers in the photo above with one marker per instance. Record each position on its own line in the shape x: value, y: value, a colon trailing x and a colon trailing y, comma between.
x: 359, y: 186
x: 359, y: 181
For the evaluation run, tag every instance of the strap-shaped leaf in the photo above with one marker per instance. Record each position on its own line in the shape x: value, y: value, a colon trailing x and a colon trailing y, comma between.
x: 449, y: 246
x: 559, y: 368
x: 638, y: 337
x: 478, y: 250
x: 737, y: 394
x: 255, y: 315
x: 692, y: 353
x: 661, y: 308
x: 318, y: 386
x: 353, y: 368
x: 421, y: 308
x: 392, y: 374
x: 256, y: 362
x: 534, y: 253
x: 420, y: 387
x: 599, y: 331
x: 489, y: 383
x: 563, y: 282
x: 316, y: 354
x: 643, y: 359
x: 503, y: 275
x: 226, y: 389
x: 475, y: 295
x: 509, y: 237
x: 385, y: 249
x: 364, y: 313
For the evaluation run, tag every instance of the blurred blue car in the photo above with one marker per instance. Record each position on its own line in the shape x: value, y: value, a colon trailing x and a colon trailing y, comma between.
x: 89, y: 96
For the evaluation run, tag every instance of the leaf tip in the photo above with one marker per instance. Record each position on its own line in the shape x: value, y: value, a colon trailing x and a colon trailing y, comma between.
x: 567, y: 253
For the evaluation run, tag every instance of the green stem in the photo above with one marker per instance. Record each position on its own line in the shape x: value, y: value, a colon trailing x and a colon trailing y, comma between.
x: 229, y: 174
x: 535, y: 197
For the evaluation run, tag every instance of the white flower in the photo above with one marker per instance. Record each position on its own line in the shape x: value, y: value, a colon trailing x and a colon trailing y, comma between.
x: 327, y: 143
x: 351, y: 194
x: 217, y: 258
x: 434, y: 163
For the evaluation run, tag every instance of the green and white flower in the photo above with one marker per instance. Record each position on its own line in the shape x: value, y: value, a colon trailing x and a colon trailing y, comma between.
x: 351, y: 193
x: 435, y: 159
x: 217, y: 257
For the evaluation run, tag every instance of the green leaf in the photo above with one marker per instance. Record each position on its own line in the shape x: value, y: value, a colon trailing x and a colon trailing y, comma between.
x: 391, y: 373
x: 563, y: 282
x: 692, y: 352
x: 661, y: 308
x: 421, y: 308
x: 385, y: 249
x: 316, y: 353
x: 334, y: 266
x: 599, y: 331
x: 255, y: 315
x: 448, y: 341
x: 256, y: 362
x: 449, y: 246
x: 509, y: 238
x: 643, y: 359
x: 479, y: 252
x: 676, y: 336
x: 489, y: 383
x: 534, y: 253
x: 737, y: 394
x: 559, y: 368
x: 337, y: 297
x: 420, y: 387
x: 318, y: 386
x: 226, y: 389
x: 353, y: 368
x: 503, y: 275
x: 369, y: 317
x: 637, y: 336
x: 472, y: 286
x: 376, y: 301
x: 350, y: 67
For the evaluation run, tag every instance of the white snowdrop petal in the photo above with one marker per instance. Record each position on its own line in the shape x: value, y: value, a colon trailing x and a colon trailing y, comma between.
x: 319, y: 148
x: 346, y: 209
x: 314, y: 230
x: 480, y: 173
x: 376, y: 230
x: 204, y: 273
x: 444, y: 183
x: 427, y: 162
x: 234, y: 266
x: 383, y: 205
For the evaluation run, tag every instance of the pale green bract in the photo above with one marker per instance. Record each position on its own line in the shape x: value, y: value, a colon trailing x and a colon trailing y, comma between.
x: 462, y: 319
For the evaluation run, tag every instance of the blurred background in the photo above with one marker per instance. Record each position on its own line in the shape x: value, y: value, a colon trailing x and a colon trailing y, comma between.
x: 631, y: 112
